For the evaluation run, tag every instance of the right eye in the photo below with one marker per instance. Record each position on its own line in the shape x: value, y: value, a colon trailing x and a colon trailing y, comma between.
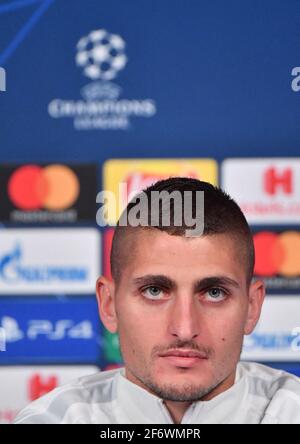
x: 152, y: 292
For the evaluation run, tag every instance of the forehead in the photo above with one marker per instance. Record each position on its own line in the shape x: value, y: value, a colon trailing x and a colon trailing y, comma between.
x: 157, y: 252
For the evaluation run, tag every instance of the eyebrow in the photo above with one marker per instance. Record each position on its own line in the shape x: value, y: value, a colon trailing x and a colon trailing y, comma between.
x: 161, y: 280
x: 215, y: 281
x: 155, y: 280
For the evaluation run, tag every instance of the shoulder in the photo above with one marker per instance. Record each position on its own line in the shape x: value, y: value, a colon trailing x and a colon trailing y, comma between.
x: 77, y: 396
x: 280, y: 389
x: 269, y: 380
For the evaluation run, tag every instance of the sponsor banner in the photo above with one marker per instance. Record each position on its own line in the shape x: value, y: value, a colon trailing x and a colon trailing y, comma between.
x: 277, y: 259
x: 49, y: 330
x: 52, y: 193
x: 21, y: 385
x: 137, y: 174
x: 47, y: 261
x: 277, y: 335
x: 267, y: 190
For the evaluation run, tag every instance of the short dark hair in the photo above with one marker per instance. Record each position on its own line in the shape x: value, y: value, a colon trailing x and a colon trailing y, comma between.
x: 222, y: 216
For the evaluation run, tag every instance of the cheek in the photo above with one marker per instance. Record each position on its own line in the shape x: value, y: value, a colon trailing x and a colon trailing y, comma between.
x: 136, y: 331
x: 227, y: 332
x: 141, y: 320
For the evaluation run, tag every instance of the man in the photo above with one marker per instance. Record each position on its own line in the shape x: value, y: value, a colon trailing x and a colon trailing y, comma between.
x: 181, y: 305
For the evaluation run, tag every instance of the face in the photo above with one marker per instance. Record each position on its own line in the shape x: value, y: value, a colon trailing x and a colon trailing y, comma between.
x: 181, y: 309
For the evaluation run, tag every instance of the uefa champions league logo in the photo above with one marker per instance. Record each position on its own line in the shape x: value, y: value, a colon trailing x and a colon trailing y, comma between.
x: 101, y: 55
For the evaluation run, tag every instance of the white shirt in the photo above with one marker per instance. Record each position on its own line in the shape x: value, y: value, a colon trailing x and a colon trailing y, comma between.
x: 260, y: 395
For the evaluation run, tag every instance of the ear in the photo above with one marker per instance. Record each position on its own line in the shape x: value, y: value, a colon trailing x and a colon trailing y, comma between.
x: 105, y: 290
x: 256, y: 298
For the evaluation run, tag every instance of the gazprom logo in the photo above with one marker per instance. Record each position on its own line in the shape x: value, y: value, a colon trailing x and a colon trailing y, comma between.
x: 12, y: 270
x: 2, y: 79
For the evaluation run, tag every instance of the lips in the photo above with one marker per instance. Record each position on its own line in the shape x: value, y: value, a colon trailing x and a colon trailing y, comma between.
x: 183, y: 358
x: 184, y: 354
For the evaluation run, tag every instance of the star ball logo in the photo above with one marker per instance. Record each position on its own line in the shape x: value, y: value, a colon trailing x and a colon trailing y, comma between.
x: 101, y: 56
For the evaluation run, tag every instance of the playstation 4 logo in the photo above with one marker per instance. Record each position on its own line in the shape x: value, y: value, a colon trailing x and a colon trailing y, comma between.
x: 11, y: 328
x: 2, y: 79
x: 53, y: 331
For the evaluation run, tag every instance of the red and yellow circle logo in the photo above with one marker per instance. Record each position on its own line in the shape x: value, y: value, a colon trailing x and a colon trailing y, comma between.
x: 277, y: 253
x: 54, y: 187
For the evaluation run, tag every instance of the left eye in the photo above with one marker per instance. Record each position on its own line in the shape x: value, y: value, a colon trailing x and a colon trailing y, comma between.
x: 215, y: 294
x: 152, y: 292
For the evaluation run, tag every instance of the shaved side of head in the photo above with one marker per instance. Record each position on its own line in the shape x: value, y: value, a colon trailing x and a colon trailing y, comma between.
x: 222, y: 216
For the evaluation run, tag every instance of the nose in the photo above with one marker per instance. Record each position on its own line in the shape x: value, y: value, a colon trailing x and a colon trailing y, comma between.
x: 184, y: 322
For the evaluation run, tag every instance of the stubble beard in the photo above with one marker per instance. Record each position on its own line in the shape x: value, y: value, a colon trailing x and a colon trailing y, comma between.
x: 173, y: 392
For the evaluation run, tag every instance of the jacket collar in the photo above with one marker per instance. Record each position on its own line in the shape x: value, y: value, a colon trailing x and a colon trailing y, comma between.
x: 135, y: 405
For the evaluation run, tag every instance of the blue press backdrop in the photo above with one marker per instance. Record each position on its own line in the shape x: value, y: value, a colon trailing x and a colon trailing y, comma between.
x: 216, y: 78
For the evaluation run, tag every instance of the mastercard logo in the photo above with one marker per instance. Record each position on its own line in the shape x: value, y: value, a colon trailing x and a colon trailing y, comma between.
x: 277, y: 253
x: 54, y: 187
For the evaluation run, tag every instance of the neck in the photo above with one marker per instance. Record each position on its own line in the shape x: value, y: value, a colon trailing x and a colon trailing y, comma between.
x: 177, y: 410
